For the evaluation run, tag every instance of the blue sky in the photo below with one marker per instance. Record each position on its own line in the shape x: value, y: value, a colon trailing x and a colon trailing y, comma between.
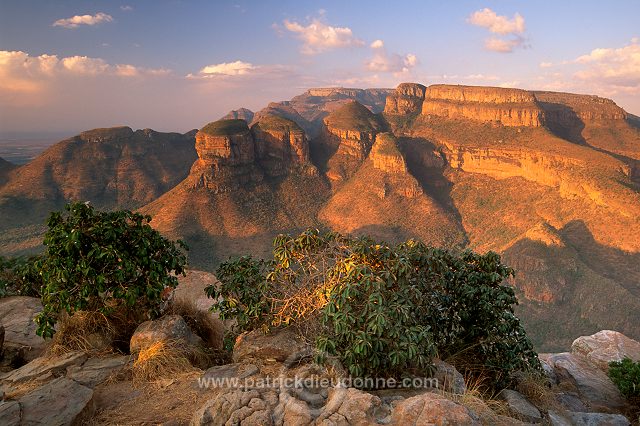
x: 175, y: 65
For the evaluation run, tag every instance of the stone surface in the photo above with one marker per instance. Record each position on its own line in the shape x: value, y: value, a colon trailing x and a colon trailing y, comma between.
x: 191, y: 288
x: 231, y: 371
x: 10, y: 413
x: 606, y: 346
x: 239, y: 114
x: 60, y: 402
x: 170, y: 328
x: 449, y: 379
x: 592, y: 384
x: 280, y: 346
x: 234, y: 407
x: 598, y: 419
x: 430, y: 408
x: 53, y: 365
x: 96, y: 370
x: 520, y: 406
x: 16, y: 316
x: 407, y: 99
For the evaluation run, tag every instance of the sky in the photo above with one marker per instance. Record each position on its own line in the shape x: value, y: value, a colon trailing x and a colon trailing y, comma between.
x: 172, y: 65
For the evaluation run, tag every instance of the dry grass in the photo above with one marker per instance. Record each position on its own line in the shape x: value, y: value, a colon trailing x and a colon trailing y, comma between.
x: 480, y: 400
x: 201, y: 322
x: 161, y: 360
x: 83, y: 331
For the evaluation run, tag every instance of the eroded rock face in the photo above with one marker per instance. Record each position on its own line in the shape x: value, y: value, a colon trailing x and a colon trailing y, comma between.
x: 386, y: 156
x: 407, y: 99
x: 430, y: 408
x: 20, y: 338
x: 509, y: 107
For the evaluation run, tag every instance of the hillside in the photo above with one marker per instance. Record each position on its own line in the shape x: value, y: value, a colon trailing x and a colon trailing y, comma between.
x: 114, y: 167
x: 550, y: 180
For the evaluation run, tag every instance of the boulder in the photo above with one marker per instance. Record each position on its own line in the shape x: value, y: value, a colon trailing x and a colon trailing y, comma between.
x: 10, y: 412
x: 41, y: 367
x: 606, y: 346
x: 598, y: 419
x: 60, y: 402
x: 520, y: 406
x: 281, y: 346
x: 191, y: 288
x: 170, y: 328
x: 249, y: 408
x: 96, y: 370
x: 16, y: 316
x: 350, y: 406
x: 593, y: 385
x: 431, y: 408
x: 449, y: 379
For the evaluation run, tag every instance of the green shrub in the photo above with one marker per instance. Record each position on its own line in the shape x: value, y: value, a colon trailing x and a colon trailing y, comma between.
x: 626, y: 376
x: 383, y: 310
x: 19, y: 277
x: 103, y: 261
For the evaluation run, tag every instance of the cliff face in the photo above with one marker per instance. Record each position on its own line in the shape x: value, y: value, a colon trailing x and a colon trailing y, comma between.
x: 386, y: 157
x: 281, y: 146
x: 226, y: 157
x: 407, y: 99
x: 565, y: 108
x: 509, y: 107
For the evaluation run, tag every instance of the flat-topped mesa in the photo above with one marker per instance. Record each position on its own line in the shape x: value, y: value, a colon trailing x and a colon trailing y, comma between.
x: 567, y: 108
x: 106, y: 134
x: 354, y: 122
x: 386, y: 156
x: 510, y: 107
x: 333, y: 91
x: 281, y: 145
x: 226, y: 156
x: 407, y: 99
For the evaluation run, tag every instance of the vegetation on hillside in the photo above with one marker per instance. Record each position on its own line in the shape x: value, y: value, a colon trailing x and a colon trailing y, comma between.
x: 225, y: 127
x: 19, y: 277
x: 354, y: 116
x: 383, y: 310
x: 275, y: 122
x: 626, y: 376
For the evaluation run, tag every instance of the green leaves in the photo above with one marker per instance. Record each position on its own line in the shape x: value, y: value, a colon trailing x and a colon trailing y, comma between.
x: 101, y: 260
x: 626, y: 376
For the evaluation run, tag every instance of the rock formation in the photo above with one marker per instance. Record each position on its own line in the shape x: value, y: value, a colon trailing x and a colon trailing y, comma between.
x: 407, y: 99
x: 239, y: 114
x: 509, y: 107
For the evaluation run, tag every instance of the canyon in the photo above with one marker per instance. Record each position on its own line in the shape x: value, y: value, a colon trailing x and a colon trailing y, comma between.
x: 549, y: 180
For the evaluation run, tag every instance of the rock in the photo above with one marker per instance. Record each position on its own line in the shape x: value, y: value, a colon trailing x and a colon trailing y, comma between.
x: 510, y: 107
x: 349, y: 406
x: 592, y: 384
x: 60, y: 402
x: 1, y: 338
x: 16, y: 316
x: 249, y: 408
x: 10, y: 413
x: 170, y: 328
x: 191, y: 288
x: 598, y: 419
x: 96, y: 370
x: 279, y: 346
x: 239, y: 114
x: 230, y: 372
x: 407, y: 99
x: 520, y: 406
x: 571, y: 402
x: 449, y: 379
x: 556, y: 419
x: 606, y: 346
x: 430, y: 408
x: 39, y: 367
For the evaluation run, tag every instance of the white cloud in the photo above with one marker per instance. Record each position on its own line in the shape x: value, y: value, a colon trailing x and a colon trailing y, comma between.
x: 546, y: 64
x: 229, y: 68
x: 318, y: 37
x: 377, y: 44
x: 76, y: 21
x: 383, y: 61
x: 497, y: 24
x: 503, y: 26
x: 496, y: 44
x: 126, y: 8
x: 616, y: 69
x: 84, y: 65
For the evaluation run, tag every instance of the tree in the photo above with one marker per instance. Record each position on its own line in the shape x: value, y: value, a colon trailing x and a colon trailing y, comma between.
x: 103, y: 261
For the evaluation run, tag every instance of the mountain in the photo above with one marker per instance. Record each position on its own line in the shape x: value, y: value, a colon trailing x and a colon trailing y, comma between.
x: 5, y: 168
x: 239, y: 114
x: 113, y: 167
x: 549, y: 180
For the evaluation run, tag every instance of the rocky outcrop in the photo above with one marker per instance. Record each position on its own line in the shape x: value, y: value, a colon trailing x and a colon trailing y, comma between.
x: 281, y: 146
x: 21, y: 343
x: 509, y: 107
x: 168, y: 329
x: 239, y: 114
x: 606, y: 346
x: 226, y: 157
x: 407, y: 99
x: 386, y: 156
x: 565, y: 108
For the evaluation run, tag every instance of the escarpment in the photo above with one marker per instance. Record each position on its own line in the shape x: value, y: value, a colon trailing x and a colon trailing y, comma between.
x: 407, y: 99
x: 509, y: 107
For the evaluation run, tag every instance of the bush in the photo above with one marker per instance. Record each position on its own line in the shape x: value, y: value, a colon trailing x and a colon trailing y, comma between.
x: 103, y: 261
x: 626, y: 376
x: 19, y: 277
x: 383, y: 310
